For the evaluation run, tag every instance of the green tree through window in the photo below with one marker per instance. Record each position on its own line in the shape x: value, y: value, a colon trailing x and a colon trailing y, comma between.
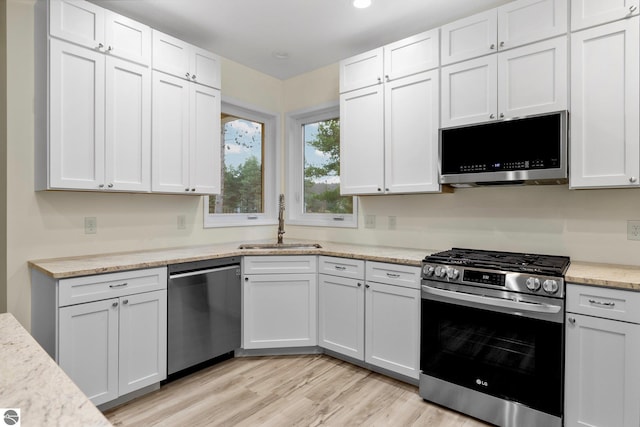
x: 242, y: 172
x: 322, y: 169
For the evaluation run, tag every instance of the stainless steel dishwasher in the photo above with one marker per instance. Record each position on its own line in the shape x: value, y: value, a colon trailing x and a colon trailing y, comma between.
x: 203, y: 312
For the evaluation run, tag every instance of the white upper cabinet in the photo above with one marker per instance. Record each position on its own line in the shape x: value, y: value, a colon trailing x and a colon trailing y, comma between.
x: 526, y: 21
x: 412, y: 55
x: 533, y: 79
x: 91, y: 26
x: 469, y: 37
x: 204, y: 142
x: 588, y: 13
x: 180, y: 59
x: 514, y: 24
x: 527, y: 80
x: 605, y: 100
x: 362, y: 70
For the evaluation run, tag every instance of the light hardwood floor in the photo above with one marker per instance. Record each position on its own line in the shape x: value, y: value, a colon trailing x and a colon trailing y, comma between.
x: 281, y: 391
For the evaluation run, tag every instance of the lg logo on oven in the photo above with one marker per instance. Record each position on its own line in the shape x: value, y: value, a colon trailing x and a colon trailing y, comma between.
x: 482, y: 382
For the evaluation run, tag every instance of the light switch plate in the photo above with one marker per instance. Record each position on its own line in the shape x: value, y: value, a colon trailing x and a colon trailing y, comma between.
x: 369, y: 221
x: 90, y: 225
x: 633, y: 230
x: 392, y: 222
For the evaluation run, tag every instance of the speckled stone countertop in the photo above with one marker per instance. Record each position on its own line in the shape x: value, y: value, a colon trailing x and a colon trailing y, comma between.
x: 608, y: 275
x: 32, y: 382
x: 105, y: 263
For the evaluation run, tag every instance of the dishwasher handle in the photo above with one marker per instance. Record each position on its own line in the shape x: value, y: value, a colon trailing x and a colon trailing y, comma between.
x: 198, y: 272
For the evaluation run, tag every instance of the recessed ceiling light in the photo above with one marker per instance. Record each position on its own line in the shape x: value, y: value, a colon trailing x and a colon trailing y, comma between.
x: 361, y: 4
x: 278, y: 54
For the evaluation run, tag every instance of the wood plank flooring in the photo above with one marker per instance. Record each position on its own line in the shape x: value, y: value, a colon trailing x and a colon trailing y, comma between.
x: 309, y: 390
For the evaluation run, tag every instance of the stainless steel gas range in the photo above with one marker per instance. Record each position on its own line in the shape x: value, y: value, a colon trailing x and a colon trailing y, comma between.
x: 492, y: 335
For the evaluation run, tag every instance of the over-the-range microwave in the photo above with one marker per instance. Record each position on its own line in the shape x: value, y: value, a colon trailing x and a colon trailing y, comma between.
x: 526, y: 150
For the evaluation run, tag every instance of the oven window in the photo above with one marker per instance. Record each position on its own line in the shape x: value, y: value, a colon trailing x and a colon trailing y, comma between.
x: 507, y: 356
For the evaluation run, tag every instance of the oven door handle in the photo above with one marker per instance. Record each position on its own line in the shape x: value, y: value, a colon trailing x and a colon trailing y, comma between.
x: 496, y: 302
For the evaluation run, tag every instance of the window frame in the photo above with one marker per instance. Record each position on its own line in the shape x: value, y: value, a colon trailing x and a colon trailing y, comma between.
x: 271, y: 166
x: 295, y: 170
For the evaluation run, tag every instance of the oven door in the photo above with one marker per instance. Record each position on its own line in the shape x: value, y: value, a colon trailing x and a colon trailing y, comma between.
x: 508, y: 350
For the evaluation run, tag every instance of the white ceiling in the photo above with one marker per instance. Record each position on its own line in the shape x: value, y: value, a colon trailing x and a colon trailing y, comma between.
x: 314, y: 33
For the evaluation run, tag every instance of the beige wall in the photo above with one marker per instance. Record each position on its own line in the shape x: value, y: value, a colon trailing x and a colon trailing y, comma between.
x: 3, y: 156
x: 586, y: 225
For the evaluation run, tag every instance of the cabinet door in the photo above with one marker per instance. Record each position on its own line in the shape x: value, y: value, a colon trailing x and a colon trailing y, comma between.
x: 362, y: 141
x: 469, y: 37
x: 605, y: 100
x: 170, y: 55
x: 469, y: 92
x: 602, y: 379
x: 525, y: 21
x: 143, y: 340
x: 88, y: 348
x: 76, y: 116
x: 412, y: 55
x: 170, y: 134
x: 128, y: 126
x: 127, y: 39
x: 204, y: 136
x: 279, y: 311
x: 393, y: 342
x: 341, y: 315
x: 411, y: 133
x: 533, y: 79
x: 588, y: 13
x: 204, y: 67
x: 77, y: 21
x: 361, y: 70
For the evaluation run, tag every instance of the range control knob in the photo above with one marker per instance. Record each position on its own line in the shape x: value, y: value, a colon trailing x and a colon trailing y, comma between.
x: 533, y: 283
x: 440, y: 271
x: 550, y: 286
x: 428, y: 270
x: 453, y: 273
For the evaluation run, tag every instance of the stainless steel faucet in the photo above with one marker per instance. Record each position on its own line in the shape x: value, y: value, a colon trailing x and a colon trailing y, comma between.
x: 281, y: 219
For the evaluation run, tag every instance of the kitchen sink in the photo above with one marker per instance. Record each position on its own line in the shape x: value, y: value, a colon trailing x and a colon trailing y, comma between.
x: 280, y: 246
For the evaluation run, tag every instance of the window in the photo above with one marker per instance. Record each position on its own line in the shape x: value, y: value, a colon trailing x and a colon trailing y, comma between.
x: 314, y: 170
x: 249, y: 179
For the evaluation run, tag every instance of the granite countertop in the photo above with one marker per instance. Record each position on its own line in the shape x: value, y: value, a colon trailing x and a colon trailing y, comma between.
x: 32, y: 382
x: 608, y: 275
x: 59, y: 268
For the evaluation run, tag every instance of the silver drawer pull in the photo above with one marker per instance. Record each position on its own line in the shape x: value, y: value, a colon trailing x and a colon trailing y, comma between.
x: 340, y: 267
x: 393, y: 275
x: 121, y: 285
x: 605, y: 304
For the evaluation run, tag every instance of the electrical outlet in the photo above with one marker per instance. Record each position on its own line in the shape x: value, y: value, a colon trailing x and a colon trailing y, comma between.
x: 90, y: 225
x: 182, y: 222
x: 633, y: 230
x: 392, y: 223
x: 369, y: 221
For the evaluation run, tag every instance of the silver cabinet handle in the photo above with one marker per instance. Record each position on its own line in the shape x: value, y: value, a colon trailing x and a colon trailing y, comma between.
x: 367, y: 286
x: 393, y: 275
x: 379, y: 80
x: 359, y: 284
x: 125, y: 301
x: 187, y: 75
x: 633, y: 179
x: 110, y: 185
x: 501, y: 44
x: 101, y: 186
x: 572, y: 320
x: 193, y: 77
x: 502, y: 115
x: 633, y: 8
x: 193, y: 189
x: 379, y: 189
x: 115, y: 304
x: 100, y: 46
x: 110, y: 49
x: 492, y: 116
x: 186, y: 189
x: 604, y: 304
x: 492, y: 47
x: 386, y: 77
x: 121, y: 285
x: 340, y: 267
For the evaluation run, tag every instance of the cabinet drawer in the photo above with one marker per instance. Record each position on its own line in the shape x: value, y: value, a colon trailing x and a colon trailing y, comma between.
x: 604, y: 302
x: 343, y: 267
x: 102, y: 286
x: 279, y: 264
x: 393, y: 274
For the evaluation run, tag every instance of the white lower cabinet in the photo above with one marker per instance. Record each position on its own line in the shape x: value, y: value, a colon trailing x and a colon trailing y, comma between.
x: 111, y: 334
x: 602, y: 378
x: 279, y: 302
x: 369, y: 320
